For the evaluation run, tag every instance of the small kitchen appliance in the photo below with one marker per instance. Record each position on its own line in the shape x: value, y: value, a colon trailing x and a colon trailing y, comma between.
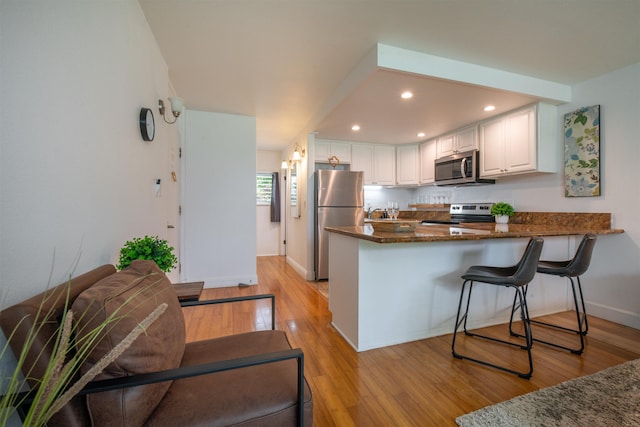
x: 460, y: 169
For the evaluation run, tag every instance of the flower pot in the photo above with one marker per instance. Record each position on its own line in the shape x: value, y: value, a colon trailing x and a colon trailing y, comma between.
x: 502, y: 219
x: 502, y: 228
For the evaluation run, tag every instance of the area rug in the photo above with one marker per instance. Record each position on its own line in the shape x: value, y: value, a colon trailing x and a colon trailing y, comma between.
x: 607, y: 398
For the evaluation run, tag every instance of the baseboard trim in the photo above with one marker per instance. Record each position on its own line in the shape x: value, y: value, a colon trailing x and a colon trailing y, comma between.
x: 297, y: 267
x: 613, y: 314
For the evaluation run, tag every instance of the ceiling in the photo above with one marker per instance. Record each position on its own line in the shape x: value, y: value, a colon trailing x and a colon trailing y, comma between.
x: 296, y: 65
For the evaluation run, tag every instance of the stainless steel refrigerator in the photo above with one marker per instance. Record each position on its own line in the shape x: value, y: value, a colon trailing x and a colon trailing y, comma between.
x: 339, y: 201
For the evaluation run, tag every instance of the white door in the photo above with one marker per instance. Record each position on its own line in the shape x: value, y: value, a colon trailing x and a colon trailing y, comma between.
x: 219, y: 199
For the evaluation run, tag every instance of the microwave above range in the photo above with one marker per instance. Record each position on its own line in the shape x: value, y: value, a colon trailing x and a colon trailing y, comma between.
x: 460, y: 169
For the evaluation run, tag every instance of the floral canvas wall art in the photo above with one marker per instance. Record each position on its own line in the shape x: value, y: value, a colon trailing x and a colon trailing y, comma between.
x: 582, y: 152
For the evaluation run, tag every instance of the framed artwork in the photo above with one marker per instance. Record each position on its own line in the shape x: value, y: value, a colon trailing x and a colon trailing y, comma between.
x: 582, y: 152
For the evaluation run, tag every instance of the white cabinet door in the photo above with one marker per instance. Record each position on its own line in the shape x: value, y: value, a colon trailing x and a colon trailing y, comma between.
x: 427, y: 162
x: 446, y: 145
x: 321, y: 154
x: 362, y: 160
x: 461, y: 140
x: 491, y: 148
x: 384, y: 167
x: 407, y: 164
x: 327, y: 149
x: 378, y: 162
x: 508, y: 144
x: 342, y: 150
x: 520, y: 141
x: 466, y: 139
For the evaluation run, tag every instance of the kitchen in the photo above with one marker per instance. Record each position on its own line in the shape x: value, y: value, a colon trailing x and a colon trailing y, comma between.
x: 533, y: 192
x: 361, y: 273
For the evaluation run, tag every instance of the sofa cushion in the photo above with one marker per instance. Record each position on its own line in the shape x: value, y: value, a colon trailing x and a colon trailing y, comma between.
x: 261, y: 395
x: 131, y: 295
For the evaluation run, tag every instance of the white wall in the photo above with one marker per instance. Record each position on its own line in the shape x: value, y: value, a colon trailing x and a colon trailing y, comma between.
x: 299, y: 246
x: 219, y: 199
x: 77, y: 180
x: 268, y: 234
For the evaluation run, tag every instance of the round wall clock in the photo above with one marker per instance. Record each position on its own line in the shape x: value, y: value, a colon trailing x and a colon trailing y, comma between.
x: 147, y: 124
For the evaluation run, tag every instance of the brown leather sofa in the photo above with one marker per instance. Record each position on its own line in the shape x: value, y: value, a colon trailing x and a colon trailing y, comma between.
x: 250, y: 379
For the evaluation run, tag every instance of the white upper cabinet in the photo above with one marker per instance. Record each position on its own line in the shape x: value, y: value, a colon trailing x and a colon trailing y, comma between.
x: 407, y: 164
x: 520, y: 141
x: 378, y: 163
x: 464, y: 139
x: 492, y: 148
x: 325, y: 149
x: 427, y: 162
x: 445, y: 145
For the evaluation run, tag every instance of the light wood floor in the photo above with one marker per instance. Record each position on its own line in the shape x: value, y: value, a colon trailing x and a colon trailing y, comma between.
x: 413, y: 384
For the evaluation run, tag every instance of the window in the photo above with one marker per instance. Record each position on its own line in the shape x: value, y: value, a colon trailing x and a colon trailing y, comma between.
x: 263, y: 188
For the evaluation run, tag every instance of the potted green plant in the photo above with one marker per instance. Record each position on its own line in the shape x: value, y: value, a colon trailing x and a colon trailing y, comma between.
x: 502, y: 211
x: 152, y: 248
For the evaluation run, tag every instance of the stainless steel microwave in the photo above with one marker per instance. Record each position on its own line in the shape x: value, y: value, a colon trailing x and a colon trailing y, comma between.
x: 460, y: 169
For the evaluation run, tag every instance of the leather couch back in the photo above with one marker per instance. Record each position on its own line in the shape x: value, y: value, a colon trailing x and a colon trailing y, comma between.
x: 46, y: 310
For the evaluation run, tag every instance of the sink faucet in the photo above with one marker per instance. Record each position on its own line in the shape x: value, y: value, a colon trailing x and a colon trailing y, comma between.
x: 369, y: 212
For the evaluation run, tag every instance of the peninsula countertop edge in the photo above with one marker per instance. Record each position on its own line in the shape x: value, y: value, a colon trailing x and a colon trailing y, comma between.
x: 545, y: 225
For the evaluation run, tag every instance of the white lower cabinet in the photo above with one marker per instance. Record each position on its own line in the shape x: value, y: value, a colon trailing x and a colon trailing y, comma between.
x: 376, y: 161
x: 407, y: 164
x: 427, y: 162
x: 521, y: 141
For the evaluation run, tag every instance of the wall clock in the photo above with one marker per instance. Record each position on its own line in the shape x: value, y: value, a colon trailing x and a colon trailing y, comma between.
x: 147, y: 124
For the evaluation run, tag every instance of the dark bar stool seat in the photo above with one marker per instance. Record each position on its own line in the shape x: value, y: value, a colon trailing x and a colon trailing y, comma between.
x: 516, y: 277
x: 573, y: 268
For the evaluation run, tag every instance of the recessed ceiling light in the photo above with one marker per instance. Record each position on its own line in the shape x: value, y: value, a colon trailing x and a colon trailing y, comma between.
x: 355, y: 128
x: 421, y: 134
x: 406, y: 95
x: 489, y: 108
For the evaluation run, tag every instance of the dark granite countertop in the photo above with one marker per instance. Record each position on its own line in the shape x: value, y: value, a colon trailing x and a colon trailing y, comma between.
x: 523, y: 224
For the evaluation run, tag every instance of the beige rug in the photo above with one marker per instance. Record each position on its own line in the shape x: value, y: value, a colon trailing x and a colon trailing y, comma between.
x: 606, y: 398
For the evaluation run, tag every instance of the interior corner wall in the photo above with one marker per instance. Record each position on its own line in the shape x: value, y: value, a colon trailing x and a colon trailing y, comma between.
x: 298, y: 255
x: 219, y: 199
x: 77, y: 180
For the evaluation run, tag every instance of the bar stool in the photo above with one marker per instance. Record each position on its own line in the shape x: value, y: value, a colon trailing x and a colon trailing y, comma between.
x: 516, y: 277
x: 574, y: 267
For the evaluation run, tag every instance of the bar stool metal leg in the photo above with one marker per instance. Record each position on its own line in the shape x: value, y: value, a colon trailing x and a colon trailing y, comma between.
x: 516, y: 277
x: 528, y: 344
x: 571, y: 269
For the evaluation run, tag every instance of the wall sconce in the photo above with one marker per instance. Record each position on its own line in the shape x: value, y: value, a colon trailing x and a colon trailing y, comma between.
x: 296, y: 153
x: 176, y: 108
x: 284, y: 165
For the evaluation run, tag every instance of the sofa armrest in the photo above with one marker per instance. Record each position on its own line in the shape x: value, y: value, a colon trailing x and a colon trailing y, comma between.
x: 25, y: 399
x: 237, y: 299
x: 207, y: 368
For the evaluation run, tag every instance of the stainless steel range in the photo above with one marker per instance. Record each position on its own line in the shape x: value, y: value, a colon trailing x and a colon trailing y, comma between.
x: 471, y: 212
x: 467, y: 212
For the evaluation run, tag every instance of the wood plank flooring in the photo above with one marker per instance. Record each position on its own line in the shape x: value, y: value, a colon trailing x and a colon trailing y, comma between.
x: 413, y: 384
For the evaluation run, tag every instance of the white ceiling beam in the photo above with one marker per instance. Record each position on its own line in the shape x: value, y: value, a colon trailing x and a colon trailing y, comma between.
x: 397, y: 59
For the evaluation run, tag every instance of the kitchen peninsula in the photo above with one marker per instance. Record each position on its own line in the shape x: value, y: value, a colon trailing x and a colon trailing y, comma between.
x: 388, y: 288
